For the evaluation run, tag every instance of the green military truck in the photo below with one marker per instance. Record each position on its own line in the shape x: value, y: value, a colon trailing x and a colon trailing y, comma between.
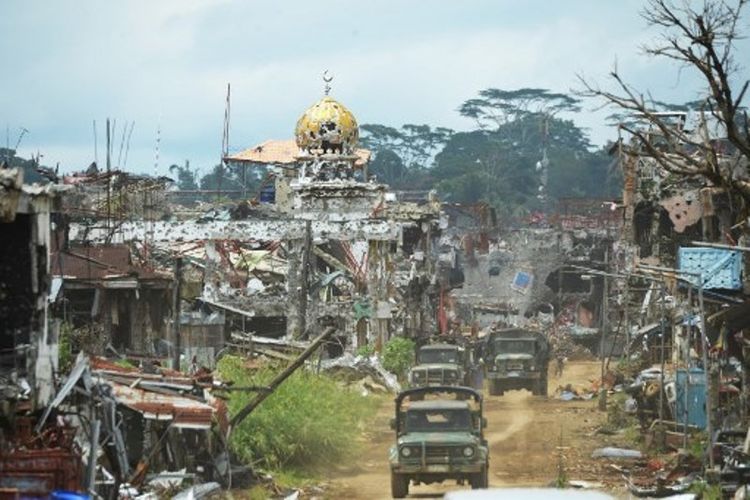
x: 516, y: 358
x: 438, y: 439
x: 440, y: 364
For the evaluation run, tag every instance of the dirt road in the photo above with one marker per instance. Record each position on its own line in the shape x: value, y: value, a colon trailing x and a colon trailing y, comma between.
x: 524, y: 433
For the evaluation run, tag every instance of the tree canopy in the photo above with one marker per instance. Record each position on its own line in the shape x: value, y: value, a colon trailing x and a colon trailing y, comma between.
x: 521, y: 153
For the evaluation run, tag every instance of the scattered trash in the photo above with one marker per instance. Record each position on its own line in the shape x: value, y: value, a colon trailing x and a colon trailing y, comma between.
x: 567, y: 396
x: 586, y: 485
x: 568, y: 393
x: 293, y: 496
x: 197, y: 492
x: 620, y: 453
x: 168, y: 480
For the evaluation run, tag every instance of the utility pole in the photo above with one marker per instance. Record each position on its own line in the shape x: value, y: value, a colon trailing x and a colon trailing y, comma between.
x: 709, y: 394
x: 176, y: 299
x: 663, y: 347
x: 605, y: 308
x: 276, y: 382
x: 109, y: 180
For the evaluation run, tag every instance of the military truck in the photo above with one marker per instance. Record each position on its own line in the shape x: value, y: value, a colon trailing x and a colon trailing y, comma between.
x: 516, y: 358
x: 441, y: 364
x: 438, y: 439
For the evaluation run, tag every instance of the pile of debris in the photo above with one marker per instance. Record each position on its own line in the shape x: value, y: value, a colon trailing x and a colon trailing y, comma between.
x: 124, y: 423
x: 364, y: 371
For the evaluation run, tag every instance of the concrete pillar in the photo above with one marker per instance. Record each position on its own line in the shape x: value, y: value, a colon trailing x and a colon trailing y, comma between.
x: 293, y: 284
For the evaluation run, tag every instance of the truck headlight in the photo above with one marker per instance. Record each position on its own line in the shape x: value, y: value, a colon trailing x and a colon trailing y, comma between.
x: 468, y: 451
x: 405, y: 452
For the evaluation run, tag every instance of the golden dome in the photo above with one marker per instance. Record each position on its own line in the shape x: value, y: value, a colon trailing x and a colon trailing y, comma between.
x: 327, y: 125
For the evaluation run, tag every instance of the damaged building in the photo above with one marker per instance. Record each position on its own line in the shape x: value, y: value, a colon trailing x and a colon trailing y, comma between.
x: 679, y: 291
x: 529, y: 275
x: 319, y: 245
x: 99, y: 287
x: 28, y: 353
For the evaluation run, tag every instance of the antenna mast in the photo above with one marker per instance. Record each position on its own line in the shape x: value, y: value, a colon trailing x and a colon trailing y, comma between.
x: 109, y: 178
x: 224, y: 140
x: 127, y: 145
x: 96, y: 150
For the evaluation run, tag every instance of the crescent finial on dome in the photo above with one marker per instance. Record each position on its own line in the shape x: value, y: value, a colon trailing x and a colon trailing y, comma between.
x: 327, y: 79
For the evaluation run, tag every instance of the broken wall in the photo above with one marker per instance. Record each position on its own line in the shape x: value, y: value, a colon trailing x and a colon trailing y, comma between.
x: 534, y: 252
x: 28, y: 347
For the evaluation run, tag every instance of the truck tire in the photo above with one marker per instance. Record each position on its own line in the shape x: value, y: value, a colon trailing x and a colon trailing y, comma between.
x: 538, y: 388
x: 399, y: 485
x: 495, y: 388
x: 543, y: 386
x: 479, y: 480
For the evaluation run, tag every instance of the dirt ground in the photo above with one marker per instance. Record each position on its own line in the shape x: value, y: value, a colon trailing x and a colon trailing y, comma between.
x: 525, y: 433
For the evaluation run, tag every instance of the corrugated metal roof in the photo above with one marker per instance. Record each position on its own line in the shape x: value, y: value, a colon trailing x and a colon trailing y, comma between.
x: 183, y: 412
x: 165, y: 395
x: 100, y: 262
x: 282, y: 152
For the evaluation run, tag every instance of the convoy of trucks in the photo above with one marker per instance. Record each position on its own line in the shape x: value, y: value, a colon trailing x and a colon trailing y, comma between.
x: 439, y: 420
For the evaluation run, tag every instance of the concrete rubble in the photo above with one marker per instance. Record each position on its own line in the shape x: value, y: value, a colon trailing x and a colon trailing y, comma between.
x: 678, y: 282
x: 149, y: 293
x: 140, y: 297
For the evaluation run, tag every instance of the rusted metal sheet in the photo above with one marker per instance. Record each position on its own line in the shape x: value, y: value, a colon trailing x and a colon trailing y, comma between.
x: 181, y: 411
x: 49, y: 461
x: 99, y: 262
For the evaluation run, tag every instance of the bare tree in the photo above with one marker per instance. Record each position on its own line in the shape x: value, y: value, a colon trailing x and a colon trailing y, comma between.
x: 701, y: 37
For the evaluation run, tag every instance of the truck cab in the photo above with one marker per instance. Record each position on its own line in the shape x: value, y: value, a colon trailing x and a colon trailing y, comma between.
x: 516, y: 359
x: 439, y: 364
x: 438, y: 439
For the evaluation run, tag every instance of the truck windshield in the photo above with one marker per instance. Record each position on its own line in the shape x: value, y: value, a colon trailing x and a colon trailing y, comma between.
x: 513, y: 346
x: 438, y: 356
x: 438, y: 420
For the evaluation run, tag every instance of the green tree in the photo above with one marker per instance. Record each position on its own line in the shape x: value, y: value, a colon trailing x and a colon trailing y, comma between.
x: 230, y: 181
x: 186, y: 177
x: 520, y: 147
x: 501, y: 166
x: 388, y: 167
x: 416, y: 145
x: 402, y: 157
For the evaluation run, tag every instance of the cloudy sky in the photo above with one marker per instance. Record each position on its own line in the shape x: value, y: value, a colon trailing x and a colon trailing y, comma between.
x: 165, y: 64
